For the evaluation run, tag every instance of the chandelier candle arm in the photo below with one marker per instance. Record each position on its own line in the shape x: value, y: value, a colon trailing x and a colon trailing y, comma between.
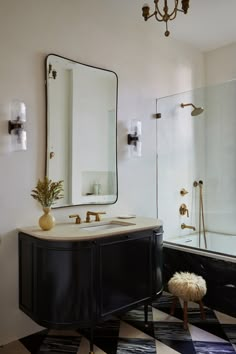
x: 146, y: 12
x: 185, y: 6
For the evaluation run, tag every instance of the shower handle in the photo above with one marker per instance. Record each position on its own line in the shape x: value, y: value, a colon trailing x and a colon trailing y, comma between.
x: 183, y: 210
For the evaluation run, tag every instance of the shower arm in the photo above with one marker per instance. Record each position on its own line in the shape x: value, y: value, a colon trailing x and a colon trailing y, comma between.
x: 187, y: 104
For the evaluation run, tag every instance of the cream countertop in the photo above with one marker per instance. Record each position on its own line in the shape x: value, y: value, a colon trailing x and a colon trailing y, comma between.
x: 76, y: 232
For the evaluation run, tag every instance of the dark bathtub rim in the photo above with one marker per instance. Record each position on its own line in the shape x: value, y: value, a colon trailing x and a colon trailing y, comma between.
x: 200, y: 251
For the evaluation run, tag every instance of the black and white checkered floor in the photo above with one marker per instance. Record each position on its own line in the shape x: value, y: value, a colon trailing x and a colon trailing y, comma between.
x: 164, y: 335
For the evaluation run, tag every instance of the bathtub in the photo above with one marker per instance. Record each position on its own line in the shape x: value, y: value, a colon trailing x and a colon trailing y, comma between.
x: 216, y: 264
x: 223, y: 246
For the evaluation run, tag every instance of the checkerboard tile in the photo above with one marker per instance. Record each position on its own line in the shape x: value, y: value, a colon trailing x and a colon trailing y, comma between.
x: 130, y: 335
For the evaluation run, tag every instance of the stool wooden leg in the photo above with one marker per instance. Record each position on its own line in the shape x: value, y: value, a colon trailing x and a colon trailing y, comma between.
x: 203, y: 316
x: 185, y: 314
x: 172, y: 310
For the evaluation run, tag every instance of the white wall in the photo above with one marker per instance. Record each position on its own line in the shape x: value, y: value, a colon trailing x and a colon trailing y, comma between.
x: 220, y: 64
x: 106, y: 33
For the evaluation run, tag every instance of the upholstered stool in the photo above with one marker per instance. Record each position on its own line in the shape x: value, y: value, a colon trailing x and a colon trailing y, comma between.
x: 188, y: 287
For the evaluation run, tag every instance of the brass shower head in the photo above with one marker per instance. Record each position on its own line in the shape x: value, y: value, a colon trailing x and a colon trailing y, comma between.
x: 196, y: 110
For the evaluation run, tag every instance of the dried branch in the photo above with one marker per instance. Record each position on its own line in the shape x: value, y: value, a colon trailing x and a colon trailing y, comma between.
x: 47, y: 192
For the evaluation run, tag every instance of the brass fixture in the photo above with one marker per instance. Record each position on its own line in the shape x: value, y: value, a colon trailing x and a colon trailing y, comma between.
x: 96, y: 214
x: 195, y: 183
x: 201, y: 222
x: 164, y: 16
x: 184, y: 226
x: 183, y: 210
x: 77, y: 220
x: 196, y: 111
x: 183, y: 192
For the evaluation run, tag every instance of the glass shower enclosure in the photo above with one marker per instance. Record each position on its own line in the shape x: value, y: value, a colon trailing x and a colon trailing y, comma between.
x: 196, y: 142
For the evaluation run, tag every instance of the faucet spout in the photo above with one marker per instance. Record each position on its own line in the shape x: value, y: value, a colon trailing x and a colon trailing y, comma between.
x: 96, y: 214
x: 184, y: 226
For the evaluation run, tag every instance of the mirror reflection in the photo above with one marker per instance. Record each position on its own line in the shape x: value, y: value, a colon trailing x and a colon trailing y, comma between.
x: 81, y: 131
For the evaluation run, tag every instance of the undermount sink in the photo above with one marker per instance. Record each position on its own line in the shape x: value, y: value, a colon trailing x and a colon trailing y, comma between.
x: 106, y: 226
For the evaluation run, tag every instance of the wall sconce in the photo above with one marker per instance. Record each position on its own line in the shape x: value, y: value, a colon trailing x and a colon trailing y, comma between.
x: 134, y: 138
x: 16, y: 127
x: 52, y: 74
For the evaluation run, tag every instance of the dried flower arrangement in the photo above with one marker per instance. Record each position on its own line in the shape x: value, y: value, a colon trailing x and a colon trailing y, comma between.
x: 47, y: 192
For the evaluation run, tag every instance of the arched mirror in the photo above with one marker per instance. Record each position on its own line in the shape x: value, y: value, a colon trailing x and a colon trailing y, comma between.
x: 81, y: 131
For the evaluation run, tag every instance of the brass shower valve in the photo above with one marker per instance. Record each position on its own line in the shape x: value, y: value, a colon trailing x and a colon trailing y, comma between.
x: 183, y: 210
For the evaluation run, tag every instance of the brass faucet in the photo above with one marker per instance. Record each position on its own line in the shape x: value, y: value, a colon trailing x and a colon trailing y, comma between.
x: 184, y: 226
x: 96, y: 214
x: 78, y: 218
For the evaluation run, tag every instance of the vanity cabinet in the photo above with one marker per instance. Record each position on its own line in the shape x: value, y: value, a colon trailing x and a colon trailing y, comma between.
x: 75, y: 284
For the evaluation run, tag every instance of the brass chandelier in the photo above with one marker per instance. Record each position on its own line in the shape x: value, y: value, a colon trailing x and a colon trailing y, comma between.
x: 165, y: 16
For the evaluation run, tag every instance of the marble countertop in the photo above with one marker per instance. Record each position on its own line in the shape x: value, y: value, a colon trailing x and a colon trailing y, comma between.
x: 86, y: 231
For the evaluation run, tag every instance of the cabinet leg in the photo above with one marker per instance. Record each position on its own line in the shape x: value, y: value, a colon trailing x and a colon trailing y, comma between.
x: 146, y: 315
x: 91, y: 341
x: 185, y: 315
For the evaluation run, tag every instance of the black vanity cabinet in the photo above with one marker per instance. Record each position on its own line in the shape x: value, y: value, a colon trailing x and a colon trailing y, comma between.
x: 75, y: 284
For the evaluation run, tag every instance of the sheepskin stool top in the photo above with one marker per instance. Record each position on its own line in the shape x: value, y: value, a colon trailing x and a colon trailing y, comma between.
x: 188, y: 287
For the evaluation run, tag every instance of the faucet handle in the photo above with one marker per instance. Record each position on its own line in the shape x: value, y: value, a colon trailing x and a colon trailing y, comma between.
x: 77, y: 220
x: 183, y: 192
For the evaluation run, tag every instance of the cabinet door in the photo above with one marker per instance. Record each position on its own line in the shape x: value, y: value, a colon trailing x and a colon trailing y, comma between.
x: 63, y: 285
x: 125, y: 271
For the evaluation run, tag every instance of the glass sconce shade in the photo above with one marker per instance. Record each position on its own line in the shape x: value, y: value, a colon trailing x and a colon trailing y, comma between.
x: 16, y: 126
x: 18, y: 111
x: 134, y: 138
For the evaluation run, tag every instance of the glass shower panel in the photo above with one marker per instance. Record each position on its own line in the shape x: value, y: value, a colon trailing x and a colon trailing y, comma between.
x: 192, y: 148
x: 221, y: 158
x: 181, y: 159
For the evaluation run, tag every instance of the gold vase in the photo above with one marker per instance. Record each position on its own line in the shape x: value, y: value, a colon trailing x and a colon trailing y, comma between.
x: 47, y: 220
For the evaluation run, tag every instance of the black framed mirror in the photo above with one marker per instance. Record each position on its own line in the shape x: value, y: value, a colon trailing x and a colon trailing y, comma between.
x: 81, y: 131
